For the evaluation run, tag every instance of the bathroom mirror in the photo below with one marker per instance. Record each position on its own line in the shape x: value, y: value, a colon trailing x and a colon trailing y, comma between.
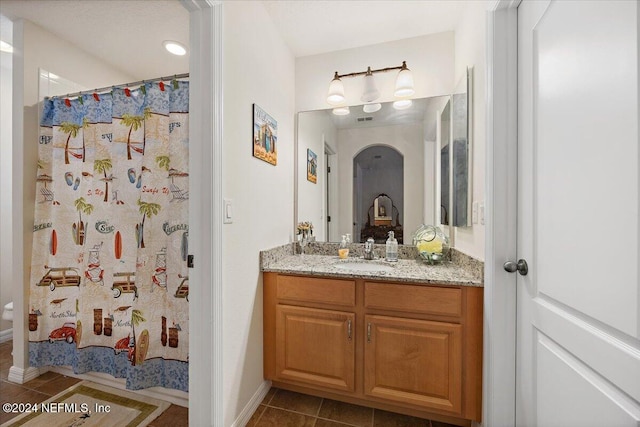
x: 362, y: 155
x: 455, y: 158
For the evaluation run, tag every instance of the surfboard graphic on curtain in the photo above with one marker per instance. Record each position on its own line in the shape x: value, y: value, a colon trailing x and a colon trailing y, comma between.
x: 109, y: 280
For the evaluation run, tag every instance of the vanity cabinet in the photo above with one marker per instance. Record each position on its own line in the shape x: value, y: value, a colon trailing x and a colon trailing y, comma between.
x: 315, y: 346
x: 408, y: 348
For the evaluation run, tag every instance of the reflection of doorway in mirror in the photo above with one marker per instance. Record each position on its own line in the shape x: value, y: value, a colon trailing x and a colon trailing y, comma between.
x: 330, y: 193
x: 444, y: 177
x: 378, y: 169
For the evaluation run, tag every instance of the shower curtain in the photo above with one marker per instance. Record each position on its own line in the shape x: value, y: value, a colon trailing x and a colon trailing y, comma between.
x: 109, y: 284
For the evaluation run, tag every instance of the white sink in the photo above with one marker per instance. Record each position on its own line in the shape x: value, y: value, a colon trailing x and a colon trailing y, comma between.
x: 364, y: 266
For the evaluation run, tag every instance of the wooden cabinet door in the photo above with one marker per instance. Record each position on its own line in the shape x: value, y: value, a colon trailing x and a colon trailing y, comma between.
x: 418, y: 362
x: 315, y: 346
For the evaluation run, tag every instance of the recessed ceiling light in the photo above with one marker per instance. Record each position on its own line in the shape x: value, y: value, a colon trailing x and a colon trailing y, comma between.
x: 174, y: 47
x: 5, y: 47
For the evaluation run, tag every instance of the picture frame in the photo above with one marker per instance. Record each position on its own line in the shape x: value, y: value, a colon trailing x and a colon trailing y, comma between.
x: 265, y: 136
x: 312, y: 166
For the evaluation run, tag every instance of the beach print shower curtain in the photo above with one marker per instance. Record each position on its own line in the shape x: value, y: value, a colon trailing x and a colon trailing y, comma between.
x: 109, y: 284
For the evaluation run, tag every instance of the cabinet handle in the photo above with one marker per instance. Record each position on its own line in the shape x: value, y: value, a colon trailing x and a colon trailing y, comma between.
x: 368, y: 332
x: 349, y: 329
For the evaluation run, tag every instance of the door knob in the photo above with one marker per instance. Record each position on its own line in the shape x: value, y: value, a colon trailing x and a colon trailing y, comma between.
x: 521, y: 267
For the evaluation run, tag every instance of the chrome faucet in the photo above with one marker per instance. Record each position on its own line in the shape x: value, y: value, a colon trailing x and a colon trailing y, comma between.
x: 368, y: 248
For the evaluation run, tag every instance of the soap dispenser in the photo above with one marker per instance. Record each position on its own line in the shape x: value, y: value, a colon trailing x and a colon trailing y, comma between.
x: 391, y: 248
x: 343, y: 251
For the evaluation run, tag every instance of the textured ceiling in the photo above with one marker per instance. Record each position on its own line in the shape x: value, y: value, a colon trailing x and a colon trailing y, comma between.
x: 319, y: 26
x: 126, y: 34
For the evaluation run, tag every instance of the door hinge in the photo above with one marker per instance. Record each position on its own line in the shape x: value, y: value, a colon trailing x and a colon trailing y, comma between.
x: 328, y: 169
x: 189, y: 261
x: 328, y: 218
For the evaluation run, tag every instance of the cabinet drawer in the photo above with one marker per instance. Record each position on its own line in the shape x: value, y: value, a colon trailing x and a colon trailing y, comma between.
x: 411, y: 298
x: 309, y: 289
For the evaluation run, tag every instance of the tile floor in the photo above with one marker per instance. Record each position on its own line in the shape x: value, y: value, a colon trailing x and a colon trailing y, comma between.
x: 51, y: 383
x: 282, y: 408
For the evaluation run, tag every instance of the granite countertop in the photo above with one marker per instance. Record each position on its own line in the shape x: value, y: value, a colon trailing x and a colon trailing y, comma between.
x: 283, y: 260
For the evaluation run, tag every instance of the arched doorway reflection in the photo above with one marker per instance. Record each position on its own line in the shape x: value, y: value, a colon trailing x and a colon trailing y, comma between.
x: 378, y: 169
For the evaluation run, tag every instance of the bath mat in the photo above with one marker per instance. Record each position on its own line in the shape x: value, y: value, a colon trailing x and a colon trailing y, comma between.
x: 88, y: 404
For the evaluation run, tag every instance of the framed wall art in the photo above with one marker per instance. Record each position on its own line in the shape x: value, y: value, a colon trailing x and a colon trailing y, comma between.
x: 265, y: 136
x: 312, y: 166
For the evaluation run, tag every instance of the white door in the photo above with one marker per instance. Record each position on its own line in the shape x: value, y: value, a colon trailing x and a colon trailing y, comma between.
x: 578, y: 325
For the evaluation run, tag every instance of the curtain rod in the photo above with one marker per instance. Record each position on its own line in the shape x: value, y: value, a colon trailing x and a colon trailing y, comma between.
x: 139, y: 82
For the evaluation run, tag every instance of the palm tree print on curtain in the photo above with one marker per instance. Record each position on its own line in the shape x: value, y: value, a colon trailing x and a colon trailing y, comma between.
x: 110, y: 160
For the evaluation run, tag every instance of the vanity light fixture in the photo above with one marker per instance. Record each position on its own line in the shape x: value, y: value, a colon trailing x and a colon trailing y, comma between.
x: 404, y: 82
x: 336, y: 91
x: 174, y: 47
x: 371, y: 93
x: 403, y: 87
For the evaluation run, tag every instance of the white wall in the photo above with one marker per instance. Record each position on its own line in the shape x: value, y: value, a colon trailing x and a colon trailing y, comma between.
x: 470, y: 50
x: 407, y: 139
x: 430, y: 58
x: 6, y: 293
x: 314, y: 128
x: 258, y: 68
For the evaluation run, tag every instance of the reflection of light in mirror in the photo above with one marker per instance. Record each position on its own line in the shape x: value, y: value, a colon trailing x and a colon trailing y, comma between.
x: 403, y: 104
x: 5, y: 47
x: 371, y: 108
x: 341, y: 111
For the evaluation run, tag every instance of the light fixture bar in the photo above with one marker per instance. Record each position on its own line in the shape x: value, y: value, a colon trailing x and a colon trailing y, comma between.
x: 369, y: 70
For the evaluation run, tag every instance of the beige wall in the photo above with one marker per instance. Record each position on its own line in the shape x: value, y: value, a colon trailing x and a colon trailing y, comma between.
x: 258, y: 68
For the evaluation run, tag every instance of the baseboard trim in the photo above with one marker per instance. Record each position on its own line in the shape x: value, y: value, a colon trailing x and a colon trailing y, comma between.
x: 252, y: 405
x: 176, y: 397
x: 21, y: 375
x: 6, y: 335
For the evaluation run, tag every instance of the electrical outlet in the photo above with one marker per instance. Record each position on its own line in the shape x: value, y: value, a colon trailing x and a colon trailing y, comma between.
x: 481, y: 213
x: 474, y: 213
